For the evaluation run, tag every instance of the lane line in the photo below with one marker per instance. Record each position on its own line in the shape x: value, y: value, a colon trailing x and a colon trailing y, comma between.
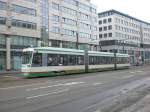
x: 57, y: 85
x: 98, y: 83
x: 7, y: 76
x: 136, y: 72
x: 132, y: 72
x: 56, y: 92
x: 28, y: 85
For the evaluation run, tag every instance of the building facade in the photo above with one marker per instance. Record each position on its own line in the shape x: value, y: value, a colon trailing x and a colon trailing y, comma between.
x: 119, y: 32
x: 56, y: 23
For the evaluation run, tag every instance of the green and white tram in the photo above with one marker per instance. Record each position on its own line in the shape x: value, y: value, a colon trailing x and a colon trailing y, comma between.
x: 50, y: 61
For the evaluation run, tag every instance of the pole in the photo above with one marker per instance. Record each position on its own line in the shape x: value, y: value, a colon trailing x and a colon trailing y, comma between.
x: 123, y: 46
x: 86, y: 58
x: 77, y: 42
x: 115, y: 59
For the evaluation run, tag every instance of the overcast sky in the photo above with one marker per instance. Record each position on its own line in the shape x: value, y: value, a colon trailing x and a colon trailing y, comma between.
x: 139, y: 9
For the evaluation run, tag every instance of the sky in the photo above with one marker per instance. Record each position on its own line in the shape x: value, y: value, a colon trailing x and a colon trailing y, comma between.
x: 139, y: 9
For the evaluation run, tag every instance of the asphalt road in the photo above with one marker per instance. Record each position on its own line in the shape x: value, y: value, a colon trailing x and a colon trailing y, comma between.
x: 112, y: 91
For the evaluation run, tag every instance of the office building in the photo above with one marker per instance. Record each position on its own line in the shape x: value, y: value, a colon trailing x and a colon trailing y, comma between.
x: 119, y: 32
x: 56, y: 23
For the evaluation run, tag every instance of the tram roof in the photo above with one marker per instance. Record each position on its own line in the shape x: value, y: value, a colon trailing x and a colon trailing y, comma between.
x: 71, y: 51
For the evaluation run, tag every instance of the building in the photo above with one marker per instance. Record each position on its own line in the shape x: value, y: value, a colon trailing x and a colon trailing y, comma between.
x: 119, y: 32
x: 56, y: 23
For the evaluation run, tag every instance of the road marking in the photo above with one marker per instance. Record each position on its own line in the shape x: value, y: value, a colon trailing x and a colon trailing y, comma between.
x: 11, y: 76
x: 129, y: 76
x: 63, y: 84
x: 136, y: 72
x: 28, y: 85
x: 56, y: 92
x: 132, y: 72
x: 98, y: 83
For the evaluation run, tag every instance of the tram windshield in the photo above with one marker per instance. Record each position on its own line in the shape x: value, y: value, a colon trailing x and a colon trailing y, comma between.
x: 26, y: 57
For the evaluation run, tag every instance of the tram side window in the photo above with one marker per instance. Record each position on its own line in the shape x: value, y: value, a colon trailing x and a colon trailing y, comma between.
x: 52, y: 59
x: 72, y: 60
x: 80, y: 60
x: 37, y: 60
x: 63, y: 60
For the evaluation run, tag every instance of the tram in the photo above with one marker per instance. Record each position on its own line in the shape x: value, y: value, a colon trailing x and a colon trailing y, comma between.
x: 50, y: 61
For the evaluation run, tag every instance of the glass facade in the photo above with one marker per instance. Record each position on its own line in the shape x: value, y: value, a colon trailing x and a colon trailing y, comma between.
x: 44, y: 5
x: 2, y: 5
x: 16, y: 60
x: 2, y: 41
x: 2, y: 20
x: 18, y: 42
x: 33, y: 1
x: 71, y: 45
x: 23, y: 10
x: 2, y: 60
x: 24, y: 24
x: 69, y: 32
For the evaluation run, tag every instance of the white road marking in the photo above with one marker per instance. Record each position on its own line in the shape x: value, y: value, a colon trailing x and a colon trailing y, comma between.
x: 10, y: 76
x: 129, y: 76
x: 57, y: 85
x: 136, y: 72
x: 139, y: 71
x: 56, y: 92
x: 28, y: 85
x: 132, y: 72
x: 98, y: 83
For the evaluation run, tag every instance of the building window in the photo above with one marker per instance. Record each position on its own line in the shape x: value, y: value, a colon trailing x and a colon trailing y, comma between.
x: 86, y: 26
x: 69, y: 21
x: 23, y: 10
x: 84, y: 35
x: 104, y: 21
x: 100, y: 29
x: 2, y: 41
x: 110, y: 27
x: 100, y: 22
x: 105, y: 35
x: 2, y: 5
x: 105, y: 28
x: 69, y: 32
x: 109, y: 20
x: 85, y: 7
x: 72, y: 2
x: 110, y: 34
x: 100, y: 36
x: 55, y: 43
x: 33, y: 1
x: 55, y: 29
x: 2, y: 20
x: 55, y: 6
x: 18, y: 42
x: 84, y: 16
x: 23, y: 24
x: 55, y: 18
x: 68, y: 44
x: 69, y: 11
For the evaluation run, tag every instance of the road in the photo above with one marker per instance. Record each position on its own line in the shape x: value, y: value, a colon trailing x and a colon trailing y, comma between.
x: 111, y: 91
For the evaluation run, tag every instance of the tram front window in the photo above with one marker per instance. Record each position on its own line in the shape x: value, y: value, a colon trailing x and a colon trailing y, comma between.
x: 37, y: 60
x: 26, y: 57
